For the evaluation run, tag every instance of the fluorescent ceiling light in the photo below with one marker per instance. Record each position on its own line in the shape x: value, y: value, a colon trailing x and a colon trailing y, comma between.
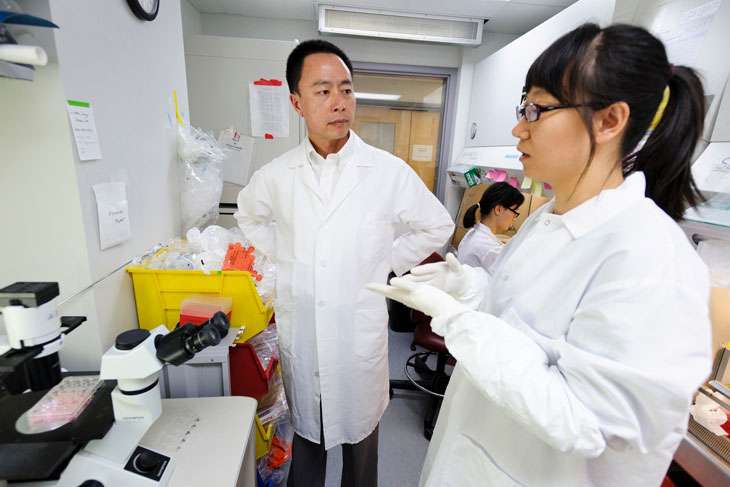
x: 376, y: 96
x: 399, y: 25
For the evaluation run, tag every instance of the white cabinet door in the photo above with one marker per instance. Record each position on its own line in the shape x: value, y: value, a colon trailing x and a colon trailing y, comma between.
x: 498, y: 79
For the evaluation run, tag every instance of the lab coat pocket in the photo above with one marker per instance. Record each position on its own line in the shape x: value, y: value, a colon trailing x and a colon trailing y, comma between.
x: 375, y: 238
x: 370, y: 335
x: 469, y: 463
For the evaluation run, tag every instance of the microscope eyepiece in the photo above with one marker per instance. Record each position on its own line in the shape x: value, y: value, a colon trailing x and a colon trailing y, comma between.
x: 205, y: 337
x: 181, y: 344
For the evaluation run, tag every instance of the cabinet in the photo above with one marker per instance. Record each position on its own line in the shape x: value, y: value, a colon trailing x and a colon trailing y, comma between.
x: 498, y: 79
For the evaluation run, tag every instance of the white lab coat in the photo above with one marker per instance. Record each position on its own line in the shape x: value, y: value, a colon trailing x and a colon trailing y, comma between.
x: 331, y: 329
x: 582, y: 373
x: 479, y: 248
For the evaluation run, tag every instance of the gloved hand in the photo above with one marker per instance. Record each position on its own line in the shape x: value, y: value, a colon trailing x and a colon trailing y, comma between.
x: 464, y: 283
x: 427, y: 299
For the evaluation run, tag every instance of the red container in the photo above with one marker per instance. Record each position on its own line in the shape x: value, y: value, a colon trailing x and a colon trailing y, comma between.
x: 248, y: 377
x: 199, y: 309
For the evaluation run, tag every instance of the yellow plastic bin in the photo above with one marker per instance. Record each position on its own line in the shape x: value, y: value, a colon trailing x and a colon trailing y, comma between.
x: 264, y: 436
x: 159, y: 293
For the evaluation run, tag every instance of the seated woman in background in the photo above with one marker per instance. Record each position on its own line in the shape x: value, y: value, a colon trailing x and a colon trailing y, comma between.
x: 497, y: 209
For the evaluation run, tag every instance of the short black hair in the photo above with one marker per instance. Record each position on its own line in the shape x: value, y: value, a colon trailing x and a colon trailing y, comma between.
x: 296, y: 59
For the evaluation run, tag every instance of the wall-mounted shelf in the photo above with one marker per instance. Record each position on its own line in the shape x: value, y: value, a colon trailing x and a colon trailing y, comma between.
x: 16, y: 71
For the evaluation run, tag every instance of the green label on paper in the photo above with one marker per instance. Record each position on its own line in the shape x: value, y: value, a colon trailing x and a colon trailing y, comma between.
x: 77, y: 103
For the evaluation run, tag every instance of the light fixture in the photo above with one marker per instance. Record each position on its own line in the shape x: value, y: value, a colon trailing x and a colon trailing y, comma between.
x: 376, y: 96
x: 400, y: 25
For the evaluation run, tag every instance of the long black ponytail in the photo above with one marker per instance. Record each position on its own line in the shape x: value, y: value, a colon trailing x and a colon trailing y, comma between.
x: 502, y: 194
x: 666, y: 159
x: 596, y: 67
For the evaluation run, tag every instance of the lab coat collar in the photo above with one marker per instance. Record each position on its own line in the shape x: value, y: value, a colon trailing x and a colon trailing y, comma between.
x: 602, y: 207
x: 351, y: 150
x: 482, y: 228
x: 357, y: 158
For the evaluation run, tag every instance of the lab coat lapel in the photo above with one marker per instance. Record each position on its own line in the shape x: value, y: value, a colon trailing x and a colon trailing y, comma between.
x: 305, y: 175
x: 349, y: 179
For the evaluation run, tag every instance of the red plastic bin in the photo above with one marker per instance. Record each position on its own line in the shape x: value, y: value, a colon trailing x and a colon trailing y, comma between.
x: 248, y: 377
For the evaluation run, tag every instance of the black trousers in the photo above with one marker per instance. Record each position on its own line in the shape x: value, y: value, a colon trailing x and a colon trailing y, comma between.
x: 309, y: 462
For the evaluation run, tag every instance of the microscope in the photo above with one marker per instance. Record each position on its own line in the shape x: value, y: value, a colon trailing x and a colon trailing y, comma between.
x: 135, y: 362
x: 93, y: 449
x: 35, y: 334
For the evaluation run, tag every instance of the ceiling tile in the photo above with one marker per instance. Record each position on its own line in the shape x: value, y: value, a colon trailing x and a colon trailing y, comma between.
x: 517, y: 18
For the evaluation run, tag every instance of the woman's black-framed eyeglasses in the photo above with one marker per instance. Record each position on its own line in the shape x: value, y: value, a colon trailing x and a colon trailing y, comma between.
x: 532, y: 111
x: 517, y: 213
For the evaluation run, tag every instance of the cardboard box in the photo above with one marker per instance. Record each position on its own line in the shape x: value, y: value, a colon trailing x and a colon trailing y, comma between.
x: 720, y: 318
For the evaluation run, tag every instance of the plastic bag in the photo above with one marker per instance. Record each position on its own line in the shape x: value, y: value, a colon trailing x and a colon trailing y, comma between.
x: 267, y: 270
x: 206, y: 251
x: 273, y: 468
x: 202, y: 182
x: 266, y: 345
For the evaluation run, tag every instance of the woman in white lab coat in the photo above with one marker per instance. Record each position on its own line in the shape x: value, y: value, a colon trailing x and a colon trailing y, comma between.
x: 578, y: 361
x: 497, y: 209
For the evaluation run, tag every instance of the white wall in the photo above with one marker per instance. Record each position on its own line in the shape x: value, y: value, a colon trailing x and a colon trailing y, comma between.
x: 127, y: 69
x: 710, y: 60
x: 192, y: 22
x: 39, y: 202
x: 376, y: 51
x: 358, y: 49
x: 470, y: 56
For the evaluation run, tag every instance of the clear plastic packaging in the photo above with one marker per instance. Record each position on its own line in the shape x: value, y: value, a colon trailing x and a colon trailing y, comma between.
x: 273, y: 468
x: 267, y: 270
x: 61, y: 405
x: 201, y: 180
x: 266, y: 345
x: 206, y: 251
x: 273, y: 406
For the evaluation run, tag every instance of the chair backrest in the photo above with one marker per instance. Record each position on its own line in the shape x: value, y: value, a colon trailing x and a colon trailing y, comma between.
x: 401, y: 318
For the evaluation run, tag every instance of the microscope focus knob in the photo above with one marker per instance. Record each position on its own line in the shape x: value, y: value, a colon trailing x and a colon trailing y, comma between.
x: 130, y: 339
x: 148, y: 461
x: 91, y: 483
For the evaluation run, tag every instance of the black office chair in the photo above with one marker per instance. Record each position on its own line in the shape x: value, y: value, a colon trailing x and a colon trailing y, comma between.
x: 421, y: 377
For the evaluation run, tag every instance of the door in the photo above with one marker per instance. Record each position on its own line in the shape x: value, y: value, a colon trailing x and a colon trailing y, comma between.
x: 402, y: 115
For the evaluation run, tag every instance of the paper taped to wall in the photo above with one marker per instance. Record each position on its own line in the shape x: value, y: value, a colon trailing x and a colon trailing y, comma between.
x: 81, y: 115
x: 113, y: 211
x: 239, y: 148
x: 269, y: 106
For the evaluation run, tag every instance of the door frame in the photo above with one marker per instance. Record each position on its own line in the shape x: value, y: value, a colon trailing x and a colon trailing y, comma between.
x: 448, y: 118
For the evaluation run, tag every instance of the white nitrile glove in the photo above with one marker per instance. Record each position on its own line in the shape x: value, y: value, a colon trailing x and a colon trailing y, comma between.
x: 464, y: 283
x: 423, y: 297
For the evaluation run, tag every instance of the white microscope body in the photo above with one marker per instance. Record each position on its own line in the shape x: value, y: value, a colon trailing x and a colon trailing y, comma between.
x: 117, y: 459
x: 30, y: 358
x: 135, y: 362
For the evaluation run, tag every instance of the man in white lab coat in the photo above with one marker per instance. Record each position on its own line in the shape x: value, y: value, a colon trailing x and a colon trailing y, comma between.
x: 335, y: 214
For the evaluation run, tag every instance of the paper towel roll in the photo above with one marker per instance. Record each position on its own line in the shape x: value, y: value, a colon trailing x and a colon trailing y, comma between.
x: 16, y: 53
